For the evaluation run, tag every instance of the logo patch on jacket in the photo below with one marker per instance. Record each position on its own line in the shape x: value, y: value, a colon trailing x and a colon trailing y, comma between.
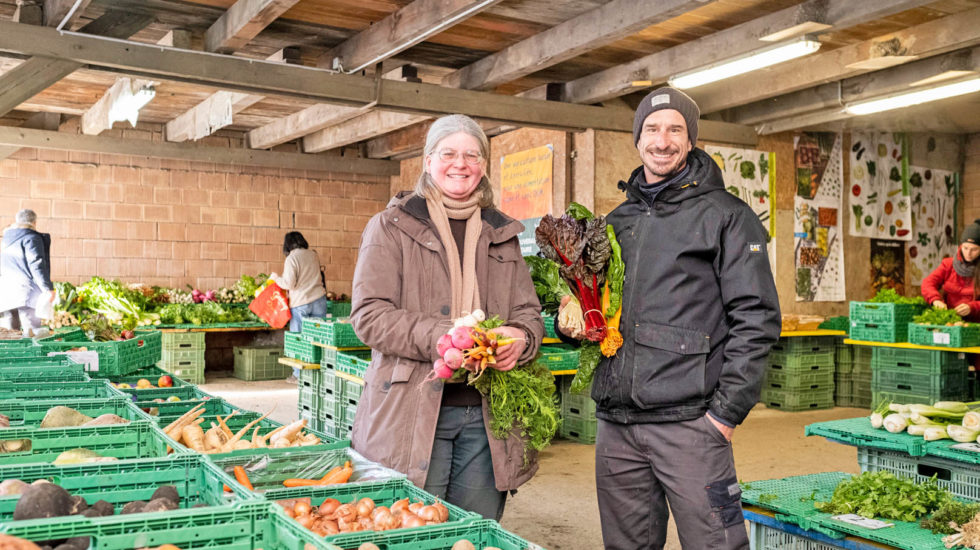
x: 755, y: 247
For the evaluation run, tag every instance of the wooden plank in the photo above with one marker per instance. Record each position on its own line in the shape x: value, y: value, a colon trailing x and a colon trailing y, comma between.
x: 38, y: 73
x: 56, y: 12
x: 242, y: 22
x: 357, y: 129
x: 261, y: 77
x: 402, y: 143
x: 604, y: 25
x: 399, y: 31
x: 96, y: 119
x: 182, y: 39
x: 740, y: 39
x: 926, y: 40
x: 210, y: 115
x: 302, y: 123
x: 37, y: 121
x: 41, y: 139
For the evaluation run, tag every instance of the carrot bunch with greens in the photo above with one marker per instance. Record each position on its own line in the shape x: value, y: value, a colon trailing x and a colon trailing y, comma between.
x: 469, y: 347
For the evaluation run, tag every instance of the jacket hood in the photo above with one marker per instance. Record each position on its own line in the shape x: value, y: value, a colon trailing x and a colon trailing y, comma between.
x: 703, y: 177
x: 14, y: 234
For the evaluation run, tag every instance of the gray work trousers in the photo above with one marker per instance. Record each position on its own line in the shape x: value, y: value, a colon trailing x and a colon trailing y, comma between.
x: 642, y: 468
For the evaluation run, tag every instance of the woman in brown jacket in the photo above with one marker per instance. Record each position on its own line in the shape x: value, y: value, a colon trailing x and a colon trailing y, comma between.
x: 431, y: 257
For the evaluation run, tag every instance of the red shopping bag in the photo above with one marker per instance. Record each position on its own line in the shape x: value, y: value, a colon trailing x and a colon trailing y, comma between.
x: 272, y: 306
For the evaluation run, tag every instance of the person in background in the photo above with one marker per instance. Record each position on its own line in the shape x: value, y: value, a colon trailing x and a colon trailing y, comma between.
x: 956, y: 282
x: 25, y: 271
x: 431, y: 257
x: 301, y: 276
x: 700, y: 312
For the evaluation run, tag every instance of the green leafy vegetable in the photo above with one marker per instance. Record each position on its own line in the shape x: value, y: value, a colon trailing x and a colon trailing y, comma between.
x: 882, y: 495
x: 747, y: 169
x: 889, y: 296
x: 763, y: 165
x: 548, y: 283
x: 615, y: 273
x: 589, y: 356
x: 579, y: 212
x: 934, y: 316
x: 952, y: 511
x: 204, y: 313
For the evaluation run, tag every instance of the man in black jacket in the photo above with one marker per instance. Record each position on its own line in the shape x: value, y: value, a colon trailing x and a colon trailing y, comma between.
x: 700, y: 313
x: 25, y: 271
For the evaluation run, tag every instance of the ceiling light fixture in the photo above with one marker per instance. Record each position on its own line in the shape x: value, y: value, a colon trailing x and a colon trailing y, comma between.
x: 756, y: 60
x: 907, y: 99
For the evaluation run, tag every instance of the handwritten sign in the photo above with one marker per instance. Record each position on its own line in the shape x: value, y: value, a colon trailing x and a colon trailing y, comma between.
x: 526, y: 183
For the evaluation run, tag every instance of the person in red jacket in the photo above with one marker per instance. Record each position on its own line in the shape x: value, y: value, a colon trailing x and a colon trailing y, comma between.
x: 958, y: 278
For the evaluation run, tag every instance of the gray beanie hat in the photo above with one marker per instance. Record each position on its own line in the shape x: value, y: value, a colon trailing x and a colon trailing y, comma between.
x: 668, y: 98
x: 971, y: 233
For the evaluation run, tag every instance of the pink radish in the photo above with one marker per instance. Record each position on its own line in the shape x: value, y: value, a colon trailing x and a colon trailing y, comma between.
x: 462, y: 338
x: 453, y: 358
x: 445, y: 342
x: 441, y: 369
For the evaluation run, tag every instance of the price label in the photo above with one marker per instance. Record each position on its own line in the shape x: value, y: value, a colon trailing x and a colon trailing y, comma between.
x: 862, y: 521
x: 940, y: 338
x: 973, y: 447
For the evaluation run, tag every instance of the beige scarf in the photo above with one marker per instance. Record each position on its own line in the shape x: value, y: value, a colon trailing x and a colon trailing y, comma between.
x: 462, y: 278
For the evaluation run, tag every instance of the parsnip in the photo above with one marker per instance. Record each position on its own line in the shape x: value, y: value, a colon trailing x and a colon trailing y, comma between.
x: 193, y: 437
x: 289, y: 433
x: 231, y: 444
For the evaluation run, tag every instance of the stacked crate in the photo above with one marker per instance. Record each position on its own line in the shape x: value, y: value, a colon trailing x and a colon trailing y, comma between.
x: 882, y: 322
x: 918, y: 376
x: 852, y: 376
x: 259, y: 363
x: 183, y: 355
x: 800, y: 374
x: 578, y: 421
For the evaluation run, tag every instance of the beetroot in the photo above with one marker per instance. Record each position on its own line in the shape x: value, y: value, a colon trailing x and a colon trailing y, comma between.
x: 453, y: 358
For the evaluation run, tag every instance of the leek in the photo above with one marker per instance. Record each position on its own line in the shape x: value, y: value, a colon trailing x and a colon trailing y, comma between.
x: 896, y: 423
x: 961, y: 434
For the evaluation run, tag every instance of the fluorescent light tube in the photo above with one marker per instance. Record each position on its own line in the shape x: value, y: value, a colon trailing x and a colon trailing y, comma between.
x: 744, y: 64
x: 906, y: 99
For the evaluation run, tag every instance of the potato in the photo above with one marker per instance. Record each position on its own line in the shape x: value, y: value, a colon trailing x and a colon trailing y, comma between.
x: 159, y: 505
x: 463, y: 544
x: 134, y: 507
x: 103, y: 508
x: 106, y: 420
x: 368, y: 546
x: 12, y: 487
x: 46, y: 500
x: 168, y: 492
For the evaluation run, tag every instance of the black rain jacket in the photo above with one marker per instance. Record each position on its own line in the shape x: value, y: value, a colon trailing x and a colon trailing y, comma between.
x: 700, y: 309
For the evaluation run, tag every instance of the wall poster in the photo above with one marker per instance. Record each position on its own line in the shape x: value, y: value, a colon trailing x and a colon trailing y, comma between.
x: 934, y: 193
x: 879, y: 199
x: 819, y: 257
x: 526, y: 190
x: 887, y: 266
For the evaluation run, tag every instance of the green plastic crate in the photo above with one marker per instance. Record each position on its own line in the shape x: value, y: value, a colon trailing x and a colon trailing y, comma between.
x: 482, y: 533
x: 115, y: 358
x: 858, y: 432
x: 352, y: 392
x: 798, y: 380
x: 798, y: 362
x: 59, y: 368
x: 549, y: 325
x: 941, y: 335
x: 182, y: 341
x: 795, y: 401
x: 338, y: 309
x: 168, y: 412
x: 298, y: 347
x: 184, y: 392
x: 354, y: 363
x: 850, y: 358
x: 259, y: 363
x: 30, y: 413
x: 875, y: 332
x: 804, y: 344
x: 239, y: 421
x: 883, y: 313
x: 879, y: 397
x: 133, y: 440
x: 961, y: 479
x: 315, y: 329
x: 197, y: 482
x: 340, y: 334
x: 900, y: 380
x: 24, y: 347
x: 853, y: 390
x: 328, y: 382
x: 267, y: 472
x: 152, y: 374
x: 918, y: 360
x: 559, y: 357
x: 582, y: 430
x: 573, y: 404
x: 305, y: 399
x: 249, y: 525
x: 58, y: 390
x: 767, y: 537
x: 185, y: 368
x: 842, y: 322
x: 382, y: 493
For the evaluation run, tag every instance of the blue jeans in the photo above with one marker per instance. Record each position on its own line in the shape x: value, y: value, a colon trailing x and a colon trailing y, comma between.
x: 461, y: 469
x: 316, y: 308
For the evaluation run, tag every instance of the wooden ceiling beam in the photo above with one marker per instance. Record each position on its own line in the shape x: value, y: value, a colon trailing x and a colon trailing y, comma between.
x: 243, y: 21
x: 593, y: 29
x: 259, y: 77
x: 56, y: 11
x: 740, y: 39
x: 928, y: 39
x: 357, y: 129
x: 62, y: 141
x: 825, y: 103
x: 37, y: 121
x: 399, y: 31
x: 38, y: 73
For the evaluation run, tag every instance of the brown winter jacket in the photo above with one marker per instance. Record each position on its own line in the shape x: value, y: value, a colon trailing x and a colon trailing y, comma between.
x: 400, y: 308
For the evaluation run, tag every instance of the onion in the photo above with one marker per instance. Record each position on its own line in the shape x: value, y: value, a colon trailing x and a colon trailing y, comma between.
x: 366, y: 523
x: 443, y: 511
x: 368, y: 546
x: 328, y: 506
x: 382, y: 519
x: 346, y: 512
x: 331, y: 527
x: 414, y: 507
x: 463, y: 544
x: 429, y: 513
x: 411, y: 520
x: 364, y: 507
x: 399, y: 506
x: 301, y: 508
x: 305, y: 520
x: 289, y: 512
x: 379, y: 510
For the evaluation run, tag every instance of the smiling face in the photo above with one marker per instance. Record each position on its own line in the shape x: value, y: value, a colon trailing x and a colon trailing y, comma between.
x: 451, y: 167
x: 663, y: 144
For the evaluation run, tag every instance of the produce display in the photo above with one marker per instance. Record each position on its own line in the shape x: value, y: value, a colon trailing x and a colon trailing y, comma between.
x: 581, y: 258
x: 219, y: 438
x: 889, y: 296
x: 943, y: 420
x: 332, y: 517
x: 165, y: 381
x: 882, y: 495
x: 933, y: 316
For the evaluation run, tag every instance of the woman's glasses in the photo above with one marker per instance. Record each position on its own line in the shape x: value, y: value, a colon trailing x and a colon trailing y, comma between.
x: 469, y: 157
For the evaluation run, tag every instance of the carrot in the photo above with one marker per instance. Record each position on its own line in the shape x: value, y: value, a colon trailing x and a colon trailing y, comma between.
x: 227, y: 489
x: 337, y: 477
x: 242, y: 478
x: 300, y: 482
x: 332, y: 472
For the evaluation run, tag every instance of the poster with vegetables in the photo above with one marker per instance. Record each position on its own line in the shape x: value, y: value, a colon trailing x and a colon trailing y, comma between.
x: 818, y: 249
x: 887, y: 266
x: 934, y: 195
x: 751, y: 176
x: 879, y: 199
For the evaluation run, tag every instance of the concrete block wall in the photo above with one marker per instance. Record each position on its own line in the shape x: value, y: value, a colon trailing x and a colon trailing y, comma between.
x: 971, y: 180
x: 173, y: 223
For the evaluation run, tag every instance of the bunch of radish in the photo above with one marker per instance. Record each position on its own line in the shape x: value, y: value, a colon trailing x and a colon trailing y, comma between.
x: 200, y: 297
x: 467, y: 346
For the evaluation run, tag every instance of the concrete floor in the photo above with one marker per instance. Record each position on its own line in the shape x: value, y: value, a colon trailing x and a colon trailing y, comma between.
x: 557, y: 509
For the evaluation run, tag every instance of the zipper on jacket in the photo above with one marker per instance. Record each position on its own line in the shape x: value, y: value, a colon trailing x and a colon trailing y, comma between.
x: 626, y: 399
